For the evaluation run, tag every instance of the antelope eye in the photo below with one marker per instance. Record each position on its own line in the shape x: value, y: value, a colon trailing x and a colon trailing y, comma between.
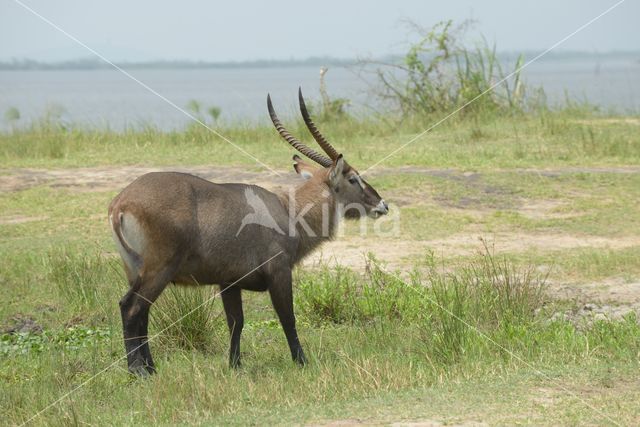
x: 353, y: 180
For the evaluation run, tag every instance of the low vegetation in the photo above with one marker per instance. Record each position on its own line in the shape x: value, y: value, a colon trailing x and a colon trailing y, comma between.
x: 373, y: 335
x: 367, y: 335
x: 548, y: 140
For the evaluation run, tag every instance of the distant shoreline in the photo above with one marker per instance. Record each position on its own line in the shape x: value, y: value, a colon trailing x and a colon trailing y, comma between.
x: 97, y: 64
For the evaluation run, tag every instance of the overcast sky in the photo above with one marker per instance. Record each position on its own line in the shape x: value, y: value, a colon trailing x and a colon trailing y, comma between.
x: 235, y: 30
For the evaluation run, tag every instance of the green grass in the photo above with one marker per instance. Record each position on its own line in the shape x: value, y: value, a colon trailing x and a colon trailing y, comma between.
x: 383, y: 335
x: 549, y: 139
x: 381, y: 347
x: 519, y: 398
x: 586, y: 264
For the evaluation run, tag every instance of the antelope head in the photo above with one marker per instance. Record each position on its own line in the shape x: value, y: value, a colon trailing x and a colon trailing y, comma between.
x: 349, y: 189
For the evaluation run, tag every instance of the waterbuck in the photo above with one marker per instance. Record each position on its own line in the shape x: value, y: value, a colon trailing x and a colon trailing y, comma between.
x: 176, y: 227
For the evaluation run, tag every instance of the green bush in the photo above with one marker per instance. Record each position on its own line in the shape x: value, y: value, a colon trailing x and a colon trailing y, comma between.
x: 440, y: 73
x: 12, y: 114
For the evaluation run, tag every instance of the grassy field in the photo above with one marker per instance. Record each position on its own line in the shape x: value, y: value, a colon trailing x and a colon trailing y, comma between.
x: 538, y: 327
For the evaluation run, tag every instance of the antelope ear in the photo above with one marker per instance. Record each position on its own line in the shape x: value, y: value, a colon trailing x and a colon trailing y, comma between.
x: 304, y: 169
x: 335, y: 175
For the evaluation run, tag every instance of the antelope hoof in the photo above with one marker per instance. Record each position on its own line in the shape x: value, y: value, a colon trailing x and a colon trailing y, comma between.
x: 300, y: 358
x: 234, y: 363
x: 141, y: 369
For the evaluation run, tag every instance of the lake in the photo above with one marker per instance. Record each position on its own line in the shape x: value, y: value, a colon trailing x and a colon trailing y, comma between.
x: 101, y: 98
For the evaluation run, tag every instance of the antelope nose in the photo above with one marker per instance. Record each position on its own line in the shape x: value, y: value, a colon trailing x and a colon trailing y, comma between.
x: 383, y: 208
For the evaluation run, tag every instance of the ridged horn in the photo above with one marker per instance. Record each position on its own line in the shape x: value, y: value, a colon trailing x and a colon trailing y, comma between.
x: 324, y: 144
x: 284, y: 133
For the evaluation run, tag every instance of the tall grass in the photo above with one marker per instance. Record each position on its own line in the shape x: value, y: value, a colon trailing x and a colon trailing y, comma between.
x: 364, y: 334
x: 88, y: 282
x: 490, y: 140
x: 188, y: 318
x: 450, y: 314
x: 489, y: 295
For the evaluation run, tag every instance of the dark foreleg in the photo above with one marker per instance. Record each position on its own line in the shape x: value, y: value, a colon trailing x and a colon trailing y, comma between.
x: 281, y: 292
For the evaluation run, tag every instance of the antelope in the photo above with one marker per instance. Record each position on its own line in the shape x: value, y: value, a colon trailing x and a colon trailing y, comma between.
x: 179, y: 228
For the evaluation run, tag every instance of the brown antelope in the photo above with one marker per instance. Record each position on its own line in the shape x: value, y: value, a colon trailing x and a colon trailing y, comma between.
x: 176, y: 227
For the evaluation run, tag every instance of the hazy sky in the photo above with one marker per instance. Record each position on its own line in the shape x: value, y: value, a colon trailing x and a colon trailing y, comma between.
x: 235, y: 30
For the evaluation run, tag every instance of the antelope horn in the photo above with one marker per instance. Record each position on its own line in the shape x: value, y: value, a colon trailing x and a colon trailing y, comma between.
x: 313, y: 155
x: 328, y: 148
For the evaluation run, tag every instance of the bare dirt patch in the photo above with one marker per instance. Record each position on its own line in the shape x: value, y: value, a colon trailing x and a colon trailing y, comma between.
x: 338, y: 423
x: 545, y: 209
x: 470, y: 175
x: 115, y: 178
x: 551, y: 172
x: 604, y: 292
x: 374, y: 422
x: 21, y: 323
x: 398, y: 253
x: 614, y: 297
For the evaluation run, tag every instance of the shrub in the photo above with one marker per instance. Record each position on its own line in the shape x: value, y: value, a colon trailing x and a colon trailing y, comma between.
x: 439, y: 73
x: 12, y: 114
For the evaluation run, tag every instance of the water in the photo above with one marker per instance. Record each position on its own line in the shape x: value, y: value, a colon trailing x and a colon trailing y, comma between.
x: 101, y: 98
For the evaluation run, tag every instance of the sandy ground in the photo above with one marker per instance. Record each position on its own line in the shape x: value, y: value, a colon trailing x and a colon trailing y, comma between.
x: 351, y: 251
x: 115, y: 178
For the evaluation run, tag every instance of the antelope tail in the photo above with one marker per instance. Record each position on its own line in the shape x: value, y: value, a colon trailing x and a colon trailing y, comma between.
x: 129, y: 255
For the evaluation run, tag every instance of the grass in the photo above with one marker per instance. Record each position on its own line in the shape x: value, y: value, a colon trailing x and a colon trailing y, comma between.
x: 522, y: 399
x: 583, y: 264
x: 381, y: 347
x: 384, y: 335
x: 194, y: 310
x: 491, y: 141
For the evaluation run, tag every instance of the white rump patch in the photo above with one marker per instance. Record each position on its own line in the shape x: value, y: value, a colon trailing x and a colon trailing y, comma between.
x: 133, y: 236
